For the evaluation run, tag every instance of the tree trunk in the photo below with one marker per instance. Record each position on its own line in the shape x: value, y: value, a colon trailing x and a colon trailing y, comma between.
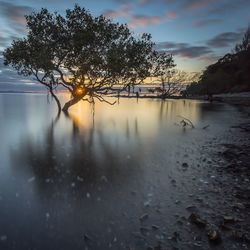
x: 57, y: 101
x: 71, y: 102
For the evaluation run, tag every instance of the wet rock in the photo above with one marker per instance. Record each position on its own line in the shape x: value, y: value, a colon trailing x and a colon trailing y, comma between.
x: 87, y: 238
x: 173, y: 181
x: 196, y: 219
x: 158, y: 247
x: 239, y: 205
x: 184, y: 165
x: 228, y: 219
x: 31, y: 179
x: 3, y: 237
x: 138, y: 235
x: 104, y: 179
x: 147, y: 203
x: 214, y: 236
x: 240, y: 236
x: 79, y: 178
x: 192, y: 208
x: 225, y: 227
x: 155, y: 227
x: 143, y: 217
x: 175, y: 237
x: 144, y: 230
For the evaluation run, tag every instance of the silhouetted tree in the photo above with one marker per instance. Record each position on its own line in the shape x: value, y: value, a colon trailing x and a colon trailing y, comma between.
x: 245, y: 43
x: 86, y: 55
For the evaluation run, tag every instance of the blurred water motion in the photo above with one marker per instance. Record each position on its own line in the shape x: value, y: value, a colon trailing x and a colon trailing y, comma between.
x: 83, y: 180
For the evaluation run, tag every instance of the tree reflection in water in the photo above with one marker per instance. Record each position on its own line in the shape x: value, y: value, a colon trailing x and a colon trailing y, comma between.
x: 84, y: 161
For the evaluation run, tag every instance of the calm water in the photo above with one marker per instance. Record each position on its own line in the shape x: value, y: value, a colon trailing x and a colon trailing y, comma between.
x: 84, y: 181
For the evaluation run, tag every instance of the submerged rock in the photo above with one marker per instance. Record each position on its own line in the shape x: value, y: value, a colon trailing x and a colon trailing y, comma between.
x: 214, y: 236
x: 143, y: 217
x: 228, y: 219
x: 196, y: 219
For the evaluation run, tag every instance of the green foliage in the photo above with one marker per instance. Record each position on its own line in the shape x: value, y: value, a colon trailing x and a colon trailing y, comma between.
x: 229, y: 74
x: 79, y: 50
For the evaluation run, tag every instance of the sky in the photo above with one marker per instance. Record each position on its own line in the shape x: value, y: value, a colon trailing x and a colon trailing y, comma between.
x: 196, y: 32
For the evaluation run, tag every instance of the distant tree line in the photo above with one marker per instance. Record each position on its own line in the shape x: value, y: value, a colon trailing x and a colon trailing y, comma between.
x: 229, y: 74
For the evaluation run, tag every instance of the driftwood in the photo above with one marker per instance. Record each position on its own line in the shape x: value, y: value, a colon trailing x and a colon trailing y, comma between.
x: 186, y: 122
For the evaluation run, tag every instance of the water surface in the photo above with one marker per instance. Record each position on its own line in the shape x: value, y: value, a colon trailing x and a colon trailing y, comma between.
x: 84, y: 181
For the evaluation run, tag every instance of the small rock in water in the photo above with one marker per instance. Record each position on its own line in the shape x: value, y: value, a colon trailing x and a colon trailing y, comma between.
x: 79, y: 178
x: 155, y: 227
x: 87, y: 237
x: 228, y: 219
x: 144, y: 230
x: 143, y: 217
x: 239, y: 206
x: 214, y: 236
x: 196, y: 219
x: 31, y: 179
x: 240, y: 236
x: 184, y: 165
x: 3, y: 237
x: 147, y: 203
x: 192, y: 208
x: 104, y: 178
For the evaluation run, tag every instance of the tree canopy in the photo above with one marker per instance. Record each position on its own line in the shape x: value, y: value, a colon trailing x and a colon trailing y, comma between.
x: 86, y: 55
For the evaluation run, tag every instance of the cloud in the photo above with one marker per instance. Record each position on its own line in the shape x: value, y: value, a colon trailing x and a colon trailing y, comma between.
x: 143, y: 20
x: 226, y: 7
x: 183, y: 49
x: 197, y: 4
x: 206, y: 22
x: 122, y: 12
x: 170, y: 15
x: 6, y: 38
x: 14, y: 14
x: 225, y: 39
x: 11, y: 81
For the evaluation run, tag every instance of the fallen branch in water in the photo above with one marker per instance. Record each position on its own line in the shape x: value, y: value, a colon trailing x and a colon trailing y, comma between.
x: 185, y: 122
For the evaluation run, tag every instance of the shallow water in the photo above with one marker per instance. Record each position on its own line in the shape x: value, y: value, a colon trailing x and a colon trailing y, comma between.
x: 84, y: 181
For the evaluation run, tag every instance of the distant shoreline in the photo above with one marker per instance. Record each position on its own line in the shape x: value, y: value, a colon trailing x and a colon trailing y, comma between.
x: 242, y: 98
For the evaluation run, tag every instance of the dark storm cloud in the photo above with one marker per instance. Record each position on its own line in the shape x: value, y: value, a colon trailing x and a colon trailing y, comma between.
x: 225, y: 39
x: 183, y: 49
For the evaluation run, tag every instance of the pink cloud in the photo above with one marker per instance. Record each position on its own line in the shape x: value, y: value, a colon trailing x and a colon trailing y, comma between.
x: 122, y: 12
x: 198, y: 4
x: 170, y: 15
x: 143, y: 20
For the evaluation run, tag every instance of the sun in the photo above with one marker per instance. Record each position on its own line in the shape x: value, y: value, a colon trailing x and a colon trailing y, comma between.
x: 80, y: 91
